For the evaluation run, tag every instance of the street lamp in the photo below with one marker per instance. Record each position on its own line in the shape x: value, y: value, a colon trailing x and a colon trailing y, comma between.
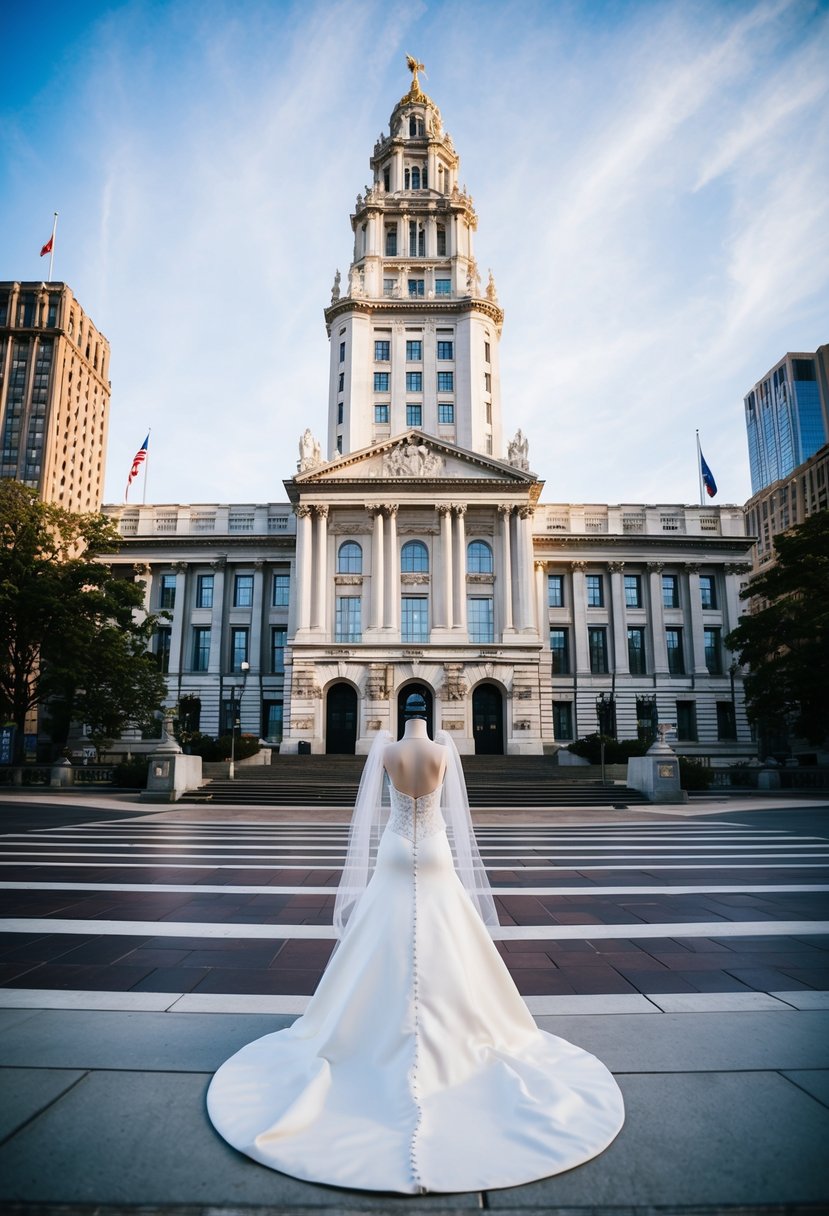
x: 244, y: 667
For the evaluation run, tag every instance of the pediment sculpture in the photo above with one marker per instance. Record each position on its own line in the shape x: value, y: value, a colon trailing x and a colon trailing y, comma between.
x: 409, y: 459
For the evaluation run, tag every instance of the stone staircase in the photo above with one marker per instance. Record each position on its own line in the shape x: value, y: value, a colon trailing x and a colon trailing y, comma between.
x: 492, y: 781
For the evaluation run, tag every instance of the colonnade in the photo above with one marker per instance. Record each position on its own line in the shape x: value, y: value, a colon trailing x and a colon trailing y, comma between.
x: 311, y: 567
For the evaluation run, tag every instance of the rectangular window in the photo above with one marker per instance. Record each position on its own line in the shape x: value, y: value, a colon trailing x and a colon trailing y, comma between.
x: 201, y: 647
x: 339, y: 413
x: 163, y: 639
x: 441, y: 245
x: 443, y: 287
x: 391, y: 242
x: 348, y: 622
x: 686, y: 721
x: 713, y: 651
x: 481, y: 620
x: 381, y: 414
x: 446, y: 350
x: 238, y: 648
x: 555, y: 590
x: 279, y: 634
x: 414, y: 618
x: 382, y: 351
x: 204, y: 591
x: 708, y: 591
x: 414, y: 382
x: 167, y: 592
x: 487, y: 382
x: 560, y: 651
x: 633, y: 591
x: 487, y: 353
x: 595, y: 590
x: 281, y: 590
x: 670, y: 591
x: 414, y: 414
x: 636, y: 651
x: 341, y: 382
x: 446, y: 414
x: 597, y: 645
x: 389, y: 287
x: 562, y: 721
x: 676, y: 659
x: 446, y: 382
x: 243, y: 591
x: 414, y: 352
x: 416, y: 287
x: 381, y: 382
x: 726, y: 721
x: 342, y: 352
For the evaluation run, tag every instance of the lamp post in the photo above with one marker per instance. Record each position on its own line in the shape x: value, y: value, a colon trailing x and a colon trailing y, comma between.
x: 244, y: 667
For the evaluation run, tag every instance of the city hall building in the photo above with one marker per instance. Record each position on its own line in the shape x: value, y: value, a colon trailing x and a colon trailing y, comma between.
x: 414, y: 566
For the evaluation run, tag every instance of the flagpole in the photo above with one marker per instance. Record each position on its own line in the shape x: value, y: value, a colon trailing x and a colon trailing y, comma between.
x: 699, y: 473
x: 146, y: 462
x: 52, y: 250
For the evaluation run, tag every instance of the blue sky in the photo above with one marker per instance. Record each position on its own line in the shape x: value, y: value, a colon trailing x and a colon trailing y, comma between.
x: 651, y: 180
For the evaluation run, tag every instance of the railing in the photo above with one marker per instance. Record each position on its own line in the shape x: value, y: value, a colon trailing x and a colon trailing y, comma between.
x: 793, y: 778
x: 41, y: 774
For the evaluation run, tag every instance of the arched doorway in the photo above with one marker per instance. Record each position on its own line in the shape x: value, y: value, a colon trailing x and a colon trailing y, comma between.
x: 341, y: 720
x: 414, y: 701
x: 488, y: 720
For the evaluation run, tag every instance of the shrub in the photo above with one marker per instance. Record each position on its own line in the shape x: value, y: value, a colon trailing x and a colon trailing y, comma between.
x: 615, y: 751
x: 693, y: 774
x: 131, y: 773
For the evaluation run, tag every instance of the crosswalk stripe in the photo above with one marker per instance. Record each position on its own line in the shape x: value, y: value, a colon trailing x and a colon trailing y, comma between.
x: 572, y: 892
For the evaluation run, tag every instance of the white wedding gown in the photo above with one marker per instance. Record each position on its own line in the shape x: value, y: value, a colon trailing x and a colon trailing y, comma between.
x: 417, y: 1066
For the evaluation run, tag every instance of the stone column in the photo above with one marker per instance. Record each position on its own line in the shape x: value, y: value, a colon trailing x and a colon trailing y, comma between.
x: 541, y: 601
x: 459, y: 555
x: 657, y: 618
x: 377, y: 570
x: 621, y: 663
x: 318, y: 613
x: 733, y: 605
x: 304, y: 545
x: 523, y: 571
x: 444, y: 606
x: 255, y: 648
x: 217, y: 615
x: 179, y: 614
x: 505, y: 580
x: 582, y: 654
x: 698, y: 666
x: 392, y: 612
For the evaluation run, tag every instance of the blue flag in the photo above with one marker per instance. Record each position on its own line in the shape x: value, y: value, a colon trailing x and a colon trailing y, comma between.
x: 707, y: 476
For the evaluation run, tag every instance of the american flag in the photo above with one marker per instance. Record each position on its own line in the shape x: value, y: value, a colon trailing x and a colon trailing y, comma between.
x: 137, y: 461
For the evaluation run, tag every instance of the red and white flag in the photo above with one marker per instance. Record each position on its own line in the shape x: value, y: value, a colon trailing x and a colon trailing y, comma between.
x: 47, y: 248
x: 137, y: 461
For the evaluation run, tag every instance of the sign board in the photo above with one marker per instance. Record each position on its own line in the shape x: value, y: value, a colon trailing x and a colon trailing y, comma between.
x: 6, y: 744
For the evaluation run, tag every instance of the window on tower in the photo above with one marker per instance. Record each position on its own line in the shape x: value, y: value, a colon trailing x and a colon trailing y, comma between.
x: 381, y: 382
x: 414, y: 352
x: 415, y: 178
x: 443, y: 287
x: 446, y: 382
x: 381, y: 414
x: 414, y: 382
x: 416, y: 287
x: 446, y: 350
x: 441, y: 235
x: 341, y: 382
x: 414, y: 414
x: 381, y: 352
x: 391, y: 241
x: 446, y: 413
x: 387, y: 180
x: 339, y: 413
x: 342, y: 352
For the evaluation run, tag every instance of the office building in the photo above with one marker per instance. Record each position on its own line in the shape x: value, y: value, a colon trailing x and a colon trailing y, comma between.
x: 787, y: 416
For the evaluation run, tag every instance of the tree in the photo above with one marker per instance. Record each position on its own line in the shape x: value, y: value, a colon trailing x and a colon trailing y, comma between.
x: 785, y: 643
x: 71, y: 633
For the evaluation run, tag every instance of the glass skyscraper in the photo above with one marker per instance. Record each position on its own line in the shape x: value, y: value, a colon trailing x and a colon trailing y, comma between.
x: 787, y: 416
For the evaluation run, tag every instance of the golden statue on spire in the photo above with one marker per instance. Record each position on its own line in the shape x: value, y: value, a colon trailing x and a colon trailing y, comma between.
x: 415, y: 67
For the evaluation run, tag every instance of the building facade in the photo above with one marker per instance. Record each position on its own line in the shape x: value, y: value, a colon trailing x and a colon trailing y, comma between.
x: 54, y: 395
x: 415, y: 567
x: 785, y: 503
x: 787, y: 416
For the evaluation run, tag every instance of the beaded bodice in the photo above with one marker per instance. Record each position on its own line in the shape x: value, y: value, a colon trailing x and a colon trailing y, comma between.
x: 415, y: 818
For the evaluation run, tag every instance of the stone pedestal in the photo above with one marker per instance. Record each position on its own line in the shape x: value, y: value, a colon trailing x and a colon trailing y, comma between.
x: 656, y: 774
x: 171, y: 773
x: 62, y: 774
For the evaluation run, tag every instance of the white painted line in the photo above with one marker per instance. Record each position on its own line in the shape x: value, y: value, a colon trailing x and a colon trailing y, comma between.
x: 492, y: 867
x: 162, y: 888
x: 307, y: 861
x: 46, y: 926
x: 804, y: 999
x: 290, y: 1005
x: 714, y: 1002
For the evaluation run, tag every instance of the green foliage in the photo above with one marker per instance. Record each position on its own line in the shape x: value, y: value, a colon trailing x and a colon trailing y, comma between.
x: 213, y: 750
x: 786, y: 643
x: 693, y: 774
x: 615, y: 751
x: 131, y: 774
x: 69, y: 635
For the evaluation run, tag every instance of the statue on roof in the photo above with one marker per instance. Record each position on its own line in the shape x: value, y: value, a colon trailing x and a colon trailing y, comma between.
x: 414, y: 67
x: 518, y: 451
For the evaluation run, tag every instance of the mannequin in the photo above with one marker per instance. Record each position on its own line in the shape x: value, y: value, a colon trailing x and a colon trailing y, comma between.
x: 415, y: 764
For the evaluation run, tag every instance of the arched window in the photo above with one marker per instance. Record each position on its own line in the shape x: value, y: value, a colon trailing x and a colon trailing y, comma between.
x: 413, y: 126
x: 350, y: 558
x: 478, y: 557
x: 415, y: 178
x: 414, y: 558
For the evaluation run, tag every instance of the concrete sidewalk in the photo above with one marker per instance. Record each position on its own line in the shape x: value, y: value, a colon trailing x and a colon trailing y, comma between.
x: 107, y: 1108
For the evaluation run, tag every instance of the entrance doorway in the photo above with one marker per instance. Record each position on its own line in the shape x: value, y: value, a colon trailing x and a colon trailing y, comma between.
x: 341, y: 721
x: 414, y: 701
x: 488, y: 720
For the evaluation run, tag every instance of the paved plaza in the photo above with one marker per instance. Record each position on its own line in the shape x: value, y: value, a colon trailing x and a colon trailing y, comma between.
x: 141, y: 945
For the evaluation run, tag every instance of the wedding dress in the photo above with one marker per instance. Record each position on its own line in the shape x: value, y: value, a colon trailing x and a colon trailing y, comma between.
x: 417, y: 1066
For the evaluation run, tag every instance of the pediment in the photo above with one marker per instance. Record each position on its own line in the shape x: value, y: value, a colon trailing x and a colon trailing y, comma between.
x: 414, y: 457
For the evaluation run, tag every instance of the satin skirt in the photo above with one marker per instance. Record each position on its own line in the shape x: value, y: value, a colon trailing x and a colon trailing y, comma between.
x: 417, y: 1066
